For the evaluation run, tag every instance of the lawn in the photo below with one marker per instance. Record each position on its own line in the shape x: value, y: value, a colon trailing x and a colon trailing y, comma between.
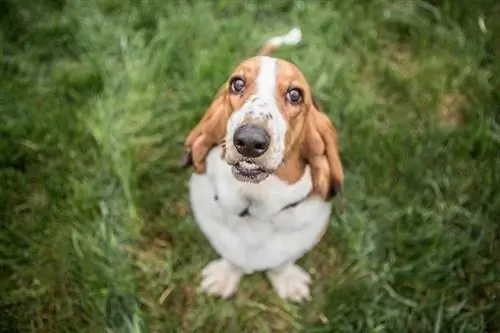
x: 97, y: 96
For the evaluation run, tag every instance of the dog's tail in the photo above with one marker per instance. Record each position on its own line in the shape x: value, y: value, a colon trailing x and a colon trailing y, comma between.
x: 293, y: 37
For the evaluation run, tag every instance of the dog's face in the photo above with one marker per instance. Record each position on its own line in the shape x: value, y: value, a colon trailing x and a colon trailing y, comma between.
x: 264, y: 117
x: 268, y: 101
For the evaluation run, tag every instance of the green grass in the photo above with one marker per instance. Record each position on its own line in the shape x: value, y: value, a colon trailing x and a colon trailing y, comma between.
x: 97, y: 96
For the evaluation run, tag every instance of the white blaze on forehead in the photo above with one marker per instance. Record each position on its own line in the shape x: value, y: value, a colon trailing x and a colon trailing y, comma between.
x: 266, y: 91
x: 262, y: 104
x: 266, y: 81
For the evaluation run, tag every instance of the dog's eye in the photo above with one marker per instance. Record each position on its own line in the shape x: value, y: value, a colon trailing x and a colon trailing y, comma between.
x: 294, y: 95
x: 237, y: 85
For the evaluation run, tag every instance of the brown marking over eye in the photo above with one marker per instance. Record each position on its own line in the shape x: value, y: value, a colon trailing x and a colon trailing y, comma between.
x: 289, y: 76
x: 294, y: 114
x: 247, y: 71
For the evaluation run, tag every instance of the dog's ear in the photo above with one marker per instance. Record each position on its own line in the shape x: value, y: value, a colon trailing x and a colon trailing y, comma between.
x: 208, y: 132
x: 320, y: 149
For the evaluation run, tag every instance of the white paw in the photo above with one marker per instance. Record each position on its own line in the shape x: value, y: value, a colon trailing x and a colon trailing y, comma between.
x: 220, y: 278
x: 291, y: 283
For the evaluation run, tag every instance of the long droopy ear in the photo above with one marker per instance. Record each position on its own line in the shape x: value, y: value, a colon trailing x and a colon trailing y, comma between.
x: 320, y: 149
x: 207, y: 133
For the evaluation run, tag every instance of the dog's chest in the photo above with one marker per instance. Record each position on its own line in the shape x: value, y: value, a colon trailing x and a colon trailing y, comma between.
x: 253, y: 225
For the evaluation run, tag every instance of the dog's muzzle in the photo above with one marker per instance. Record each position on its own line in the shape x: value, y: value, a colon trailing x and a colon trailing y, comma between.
x: 251, y: 141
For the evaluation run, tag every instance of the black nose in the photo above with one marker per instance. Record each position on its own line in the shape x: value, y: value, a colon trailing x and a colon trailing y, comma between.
x: 251, y: 140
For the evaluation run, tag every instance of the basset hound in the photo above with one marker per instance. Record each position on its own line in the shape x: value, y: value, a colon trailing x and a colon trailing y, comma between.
x: 266, y: 165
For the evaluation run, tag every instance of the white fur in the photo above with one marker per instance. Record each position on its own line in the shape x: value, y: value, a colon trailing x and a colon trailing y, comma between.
x: 293, y: 37
x: 262, y: 105
x: 220, y: 278
x: 290, y: 282
x: 268, y: 239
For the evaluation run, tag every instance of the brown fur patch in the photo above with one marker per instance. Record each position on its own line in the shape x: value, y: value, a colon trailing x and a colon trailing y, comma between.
x: 292, y: 169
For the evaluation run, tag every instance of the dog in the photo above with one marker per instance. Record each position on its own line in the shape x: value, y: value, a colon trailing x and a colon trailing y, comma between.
x: 266, y: 167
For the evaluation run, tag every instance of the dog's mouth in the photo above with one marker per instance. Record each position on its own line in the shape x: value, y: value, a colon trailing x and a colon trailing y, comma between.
x: 249, y: 171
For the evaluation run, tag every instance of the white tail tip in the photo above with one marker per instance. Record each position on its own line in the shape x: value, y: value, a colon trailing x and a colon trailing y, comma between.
x: 293, y: 37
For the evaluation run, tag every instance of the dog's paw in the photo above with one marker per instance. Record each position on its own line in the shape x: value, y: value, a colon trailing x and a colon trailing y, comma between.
x: 220, y: 278
x: 291, y: 283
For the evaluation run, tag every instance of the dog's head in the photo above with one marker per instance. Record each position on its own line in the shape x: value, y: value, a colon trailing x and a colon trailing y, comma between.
x: 264, y: 115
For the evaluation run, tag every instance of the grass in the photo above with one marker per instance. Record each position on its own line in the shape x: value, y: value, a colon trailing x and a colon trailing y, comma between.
x: 97, y: 97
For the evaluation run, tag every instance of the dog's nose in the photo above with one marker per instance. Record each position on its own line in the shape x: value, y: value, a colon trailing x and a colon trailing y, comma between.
x: 251, y: 140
